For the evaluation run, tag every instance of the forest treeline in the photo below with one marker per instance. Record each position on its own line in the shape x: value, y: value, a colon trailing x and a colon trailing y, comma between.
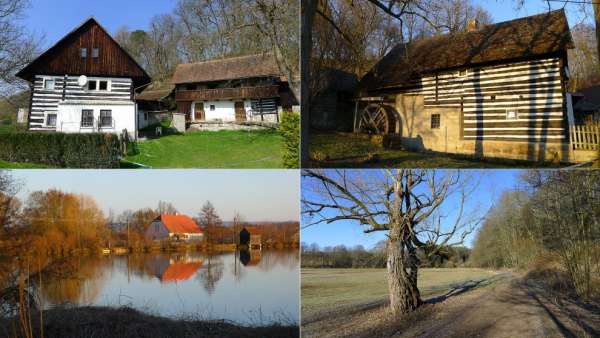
x: 57, y: 223
x: 550, y: 226
x: 341, y: 256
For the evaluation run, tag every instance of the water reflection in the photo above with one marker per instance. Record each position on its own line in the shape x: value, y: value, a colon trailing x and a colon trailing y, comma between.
x: 227, y: 286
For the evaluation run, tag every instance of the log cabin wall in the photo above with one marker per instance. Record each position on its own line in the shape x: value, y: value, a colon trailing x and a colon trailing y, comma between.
x: 522, y: 101
x: 45, y: 101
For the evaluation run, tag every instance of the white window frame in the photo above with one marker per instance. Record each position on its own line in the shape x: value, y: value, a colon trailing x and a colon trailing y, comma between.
x: 212, y: 107
x: 100, y: 119
x: 439, y: 120
x: 98, y: 80
x: 83, y: 53
x: 512, y: 117
x: 93, y: 118
x: 95, y: 53
x: 46, y: 115
x: 46, y: 79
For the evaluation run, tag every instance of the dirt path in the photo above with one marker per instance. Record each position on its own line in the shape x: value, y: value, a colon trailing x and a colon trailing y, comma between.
x: 505, y: 306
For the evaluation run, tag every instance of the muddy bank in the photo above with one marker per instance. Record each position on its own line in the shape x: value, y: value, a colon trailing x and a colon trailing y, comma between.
x: 104, y: 322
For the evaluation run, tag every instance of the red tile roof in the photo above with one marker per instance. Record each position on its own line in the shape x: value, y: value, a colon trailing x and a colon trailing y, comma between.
x: 180, y: 272
x: 253, y: 230
x: 180, y: 224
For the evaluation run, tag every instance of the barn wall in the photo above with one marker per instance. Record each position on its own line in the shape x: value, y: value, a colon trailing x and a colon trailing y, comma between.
x: 474, y: 112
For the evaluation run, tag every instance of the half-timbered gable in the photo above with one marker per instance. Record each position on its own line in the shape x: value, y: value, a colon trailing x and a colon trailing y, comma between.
x: 84, y: 83
x: 245, y: 88
x: 495, y: 91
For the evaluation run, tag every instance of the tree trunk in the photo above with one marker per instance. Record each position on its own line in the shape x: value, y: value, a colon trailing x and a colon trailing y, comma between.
x: 597, y: 22
x: 308, y: 10
x: 402, y: 267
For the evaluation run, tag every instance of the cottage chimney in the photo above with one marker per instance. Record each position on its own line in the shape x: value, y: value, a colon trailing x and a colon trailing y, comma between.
x: 472, y: 25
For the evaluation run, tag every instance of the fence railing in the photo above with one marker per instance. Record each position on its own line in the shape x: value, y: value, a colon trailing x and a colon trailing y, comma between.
x: 585, y: 137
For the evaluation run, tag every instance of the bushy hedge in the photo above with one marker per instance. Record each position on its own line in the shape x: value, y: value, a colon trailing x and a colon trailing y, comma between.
x: 93, y: 150
x: 290, y: 130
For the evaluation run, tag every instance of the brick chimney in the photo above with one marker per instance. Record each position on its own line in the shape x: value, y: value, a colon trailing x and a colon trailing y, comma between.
x: 472, y: 25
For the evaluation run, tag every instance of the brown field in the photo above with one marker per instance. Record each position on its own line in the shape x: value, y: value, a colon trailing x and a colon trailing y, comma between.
x: 459, y: 303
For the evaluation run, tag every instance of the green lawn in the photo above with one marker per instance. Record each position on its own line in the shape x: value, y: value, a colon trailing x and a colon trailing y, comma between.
x: 17, y: 165
x: 6, y: 128
x: 221, y: 149
x: 349, y: 150
x: 325, y: 290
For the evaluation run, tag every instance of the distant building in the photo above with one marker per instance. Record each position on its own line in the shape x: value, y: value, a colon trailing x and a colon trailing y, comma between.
x: 174, y: 227
x: 250, y: 237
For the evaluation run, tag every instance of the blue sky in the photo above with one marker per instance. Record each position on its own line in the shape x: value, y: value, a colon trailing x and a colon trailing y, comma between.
x: 55, y: 18
x: 259, y: 195
x: 503, y: 10
x: 492, y: 184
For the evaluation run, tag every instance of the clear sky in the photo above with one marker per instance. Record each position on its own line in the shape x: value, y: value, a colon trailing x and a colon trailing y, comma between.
x: 503, y: 10
x: 55, y: 18
x: 492, y: 184
x: 259, y: 195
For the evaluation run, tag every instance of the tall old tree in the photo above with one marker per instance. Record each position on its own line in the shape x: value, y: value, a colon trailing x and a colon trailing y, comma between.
x: 209, y: 218
x: 406, y: 205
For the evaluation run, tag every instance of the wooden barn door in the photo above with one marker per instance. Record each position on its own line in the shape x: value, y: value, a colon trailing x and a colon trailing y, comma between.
x: 185, y: 107
x: 199, y: 111
x: 240, y: 112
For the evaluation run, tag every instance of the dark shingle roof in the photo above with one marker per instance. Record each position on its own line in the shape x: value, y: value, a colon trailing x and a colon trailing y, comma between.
x: 521, y: 38
x: 240, y: 67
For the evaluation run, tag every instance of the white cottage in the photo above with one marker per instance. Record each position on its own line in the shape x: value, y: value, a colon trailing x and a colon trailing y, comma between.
x: 237, y: 89
x: 84, y: 83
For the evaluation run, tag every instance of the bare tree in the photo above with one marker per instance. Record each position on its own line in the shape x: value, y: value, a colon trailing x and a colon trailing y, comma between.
x: 166, y: 208
x: 405, y: 204
x: 9, y: 204
x: 209, y: 218
x: 17, y: 47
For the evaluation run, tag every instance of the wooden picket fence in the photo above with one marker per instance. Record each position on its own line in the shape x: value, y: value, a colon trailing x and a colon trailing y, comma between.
x: 585, y: 137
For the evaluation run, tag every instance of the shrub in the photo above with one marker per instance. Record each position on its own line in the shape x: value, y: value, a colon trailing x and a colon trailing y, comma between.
x: 94, y: 150
x: 290, y: 130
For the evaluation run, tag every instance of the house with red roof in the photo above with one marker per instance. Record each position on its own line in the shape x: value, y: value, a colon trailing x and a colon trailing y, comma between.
x: 174, y: 227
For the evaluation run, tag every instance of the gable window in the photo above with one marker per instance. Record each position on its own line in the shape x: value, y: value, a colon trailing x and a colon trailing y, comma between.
x: 49, y: 84
x: 92, y: 85
x: 462, y: 72
x: 511, y: 114
x: 87, y: 118
x: 105, y: 118
x: 435, y: 121
x: 51, y: 120
x: 98, y: 85
x: 95, y: 53
x: 212, y: 107
x: 83, y: 53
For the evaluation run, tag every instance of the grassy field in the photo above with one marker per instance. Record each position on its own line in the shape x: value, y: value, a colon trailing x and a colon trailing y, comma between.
x: 347, y: 150
x: 327, y: 290
x: 221, y: 149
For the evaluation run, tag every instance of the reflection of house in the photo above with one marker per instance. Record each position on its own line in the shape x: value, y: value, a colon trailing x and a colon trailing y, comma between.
x: 175, y: 227
x: 245, y: 88
x: 179, y: 271
x: 250, y: 257
x: 84, y: 83
x: 250, y: 237
x: 494, y: 91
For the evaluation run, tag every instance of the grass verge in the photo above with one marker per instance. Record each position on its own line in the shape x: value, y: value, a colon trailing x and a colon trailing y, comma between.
x: 105, y: 322
x: 342, y: 150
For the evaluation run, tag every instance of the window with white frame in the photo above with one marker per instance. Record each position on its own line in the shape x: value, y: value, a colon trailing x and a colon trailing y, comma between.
x: 512, y: 114
x: 105, y: 118
x: 87, y: 118
x: 212, y: 107
x: 435, y: 121
x: 95, y: 53
x: 49, y: 84
x: 51, y: 119
x: 98, y: 85
x: 83, y: 53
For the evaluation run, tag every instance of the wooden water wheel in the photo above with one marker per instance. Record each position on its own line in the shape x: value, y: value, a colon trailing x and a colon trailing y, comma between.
x: 375, y: 119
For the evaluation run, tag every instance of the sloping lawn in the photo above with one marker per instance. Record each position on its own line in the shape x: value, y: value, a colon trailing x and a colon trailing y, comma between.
x: 205, y: 149
x: 332, y: 150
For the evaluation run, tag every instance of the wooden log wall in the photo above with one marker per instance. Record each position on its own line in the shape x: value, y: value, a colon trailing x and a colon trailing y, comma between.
x: 66, y: 88
x: 518, y: 101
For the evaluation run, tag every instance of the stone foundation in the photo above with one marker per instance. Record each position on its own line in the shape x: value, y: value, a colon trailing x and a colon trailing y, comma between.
x: 221, y: 125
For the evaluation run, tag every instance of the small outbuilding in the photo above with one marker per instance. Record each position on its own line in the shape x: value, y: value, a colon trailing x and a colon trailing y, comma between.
x: 250, y: 237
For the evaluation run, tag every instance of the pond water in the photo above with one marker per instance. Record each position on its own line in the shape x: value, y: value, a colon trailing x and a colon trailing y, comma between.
x: 245, y: 287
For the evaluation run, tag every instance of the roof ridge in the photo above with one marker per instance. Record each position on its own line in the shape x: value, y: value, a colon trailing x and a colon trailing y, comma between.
x: 226, y: 58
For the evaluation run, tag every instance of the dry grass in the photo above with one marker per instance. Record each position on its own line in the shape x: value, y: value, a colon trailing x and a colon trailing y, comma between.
x: 104, y: 322
x: 327, y: 290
